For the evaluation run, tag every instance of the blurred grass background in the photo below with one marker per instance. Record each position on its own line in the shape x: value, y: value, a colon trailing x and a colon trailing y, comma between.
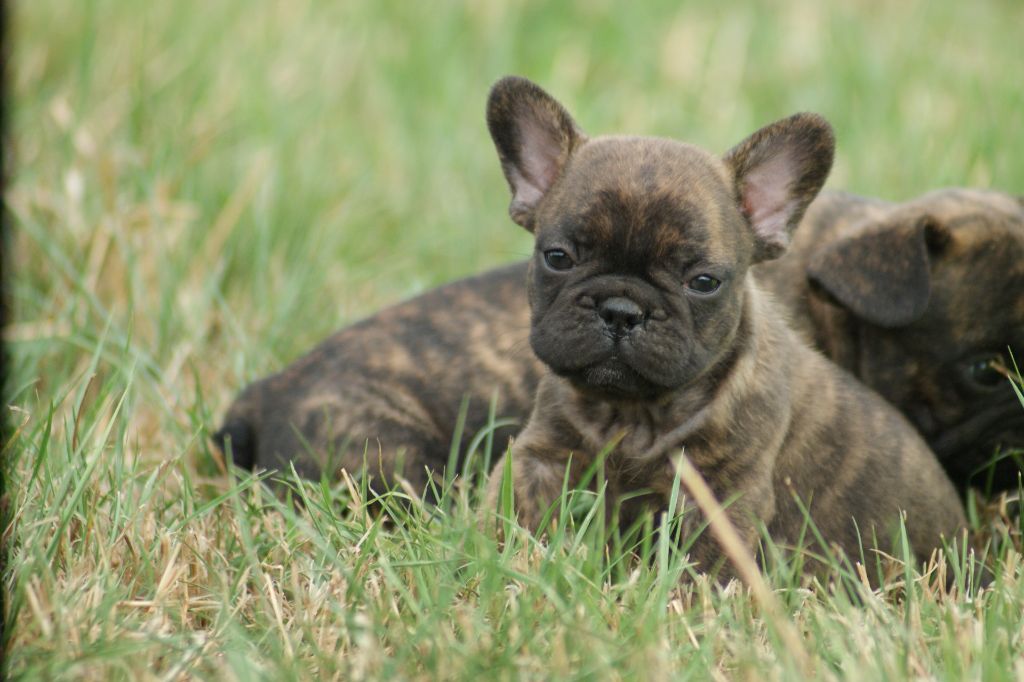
x: 203, y: 189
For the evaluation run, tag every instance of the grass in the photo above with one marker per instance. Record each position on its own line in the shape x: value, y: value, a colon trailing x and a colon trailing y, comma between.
x: 204, y: 190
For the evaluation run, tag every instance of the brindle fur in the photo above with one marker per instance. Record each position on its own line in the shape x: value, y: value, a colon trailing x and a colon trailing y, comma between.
x: 764, y: 418
x: 385, y: 393
x: 906, y: 296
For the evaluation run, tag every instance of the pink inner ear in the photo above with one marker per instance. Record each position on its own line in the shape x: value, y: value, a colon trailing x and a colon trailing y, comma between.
x: 527, y: 193
x: 767, y: 199
x: 539, y: 162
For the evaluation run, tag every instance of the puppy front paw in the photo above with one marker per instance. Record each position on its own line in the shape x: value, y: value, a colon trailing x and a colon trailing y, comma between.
x: 522, y: 488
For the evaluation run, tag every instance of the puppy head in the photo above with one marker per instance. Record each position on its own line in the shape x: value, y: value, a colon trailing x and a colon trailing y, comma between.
x: 642, y: 245
x: 937, y: 286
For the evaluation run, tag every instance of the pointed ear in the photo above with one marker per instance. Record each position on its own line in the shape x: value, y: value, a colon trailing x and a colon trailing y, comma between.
x: 778, y: 171
x: 882, y: 276
x: 534, y: 136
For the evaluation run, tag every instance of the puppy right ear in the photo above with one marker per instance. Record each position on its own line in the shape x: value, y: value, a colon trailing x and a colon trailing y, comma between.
x: 534, y: 136
x: 882, y: 275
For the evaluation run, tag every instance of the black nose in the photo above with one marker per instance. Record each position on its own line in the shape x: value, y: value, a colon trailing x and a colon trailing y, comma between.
x: 620, y: 314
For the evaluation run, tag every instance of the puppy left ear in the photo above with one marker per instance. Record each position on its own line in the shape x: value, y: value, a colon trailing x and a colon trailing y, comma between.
x: 534, y: 136
x: 778, y: 171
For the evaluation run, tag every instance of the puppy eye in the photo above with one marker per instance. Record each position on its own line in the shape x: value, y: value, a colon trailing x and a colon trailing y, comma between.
x: 704, y: 284
x: 986, y: 372
x: 557, y: 259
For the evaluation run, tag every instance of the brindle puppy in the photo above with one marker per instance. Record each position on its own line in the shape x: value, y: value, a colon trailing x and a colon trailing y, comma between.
x: 654, y: 337
x: 921, y: 301
x: 390, y: 386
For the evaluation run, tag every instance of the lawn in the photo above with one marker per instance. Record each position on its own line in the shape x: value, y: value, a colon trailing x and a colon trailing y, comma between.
x: 203, y: 190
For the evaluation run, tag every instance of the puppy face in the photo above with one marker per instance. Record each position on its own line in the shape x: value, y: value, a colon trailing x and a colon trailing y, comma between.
x: 938, y: 287
x: 636, y: 279
x: 642, y: 245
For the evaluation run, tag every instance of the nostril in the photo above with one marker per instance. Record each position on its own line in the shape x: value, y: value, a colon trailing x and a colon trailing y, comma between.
x: 621, y: 313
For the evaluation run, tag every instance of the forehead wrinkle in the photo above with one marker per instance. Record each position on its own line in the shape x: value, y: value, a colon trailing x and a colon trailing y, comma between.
x: 643, y: 194
x: 651, y: 225
x: 673, y: 221
x: 1003, y: 304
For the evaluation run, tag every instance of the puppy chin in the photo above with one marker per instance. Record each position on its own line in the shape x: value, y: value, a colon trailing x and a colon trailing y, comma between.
x: 613, y: 379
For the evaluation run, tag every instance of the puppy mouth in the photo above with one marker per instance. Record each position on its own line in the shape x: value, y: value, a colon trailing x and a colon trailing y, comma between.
x: 613, y: 377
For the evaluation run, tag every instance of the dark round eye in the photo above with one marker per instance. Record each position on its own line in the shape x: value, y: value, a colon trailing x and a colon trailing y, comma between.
x: 557, y: 259
x: 986, y: 372
x: 704, y: 284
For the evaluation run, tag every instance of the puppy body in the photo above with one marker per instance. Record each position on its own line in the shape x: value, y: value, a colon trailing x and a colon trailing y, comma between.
x: 654, y: 337
x: 383, y: 396
x: 921, y: 301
